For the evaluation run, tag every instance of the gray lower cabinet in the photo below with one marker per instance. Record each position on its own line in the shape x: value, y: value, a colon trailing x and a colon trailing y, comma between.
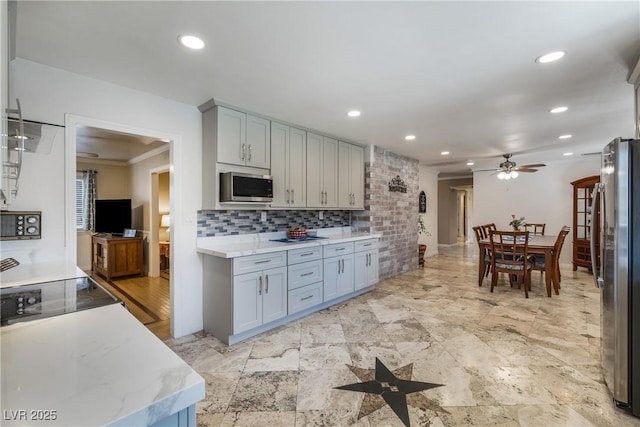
x: 338, y: 270
x: 258, y: 298
x: 366, y: 263
x: 183, y: 418
x: 305, y: 278
x: 248, y: 295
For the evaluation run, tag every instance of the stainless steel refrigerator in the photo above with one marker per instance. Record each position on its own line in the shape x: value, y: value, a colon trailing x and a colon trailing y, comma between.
x: 619, y: 275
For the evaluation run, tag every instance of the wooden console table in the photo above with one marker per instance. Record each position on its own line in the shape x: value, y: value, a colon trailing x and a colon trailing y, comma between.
x: 117, y: 256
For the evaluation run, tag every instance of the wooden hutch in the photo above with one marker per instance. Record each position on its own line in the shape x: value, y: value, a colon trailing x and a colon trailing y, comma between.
x: 585, y: 217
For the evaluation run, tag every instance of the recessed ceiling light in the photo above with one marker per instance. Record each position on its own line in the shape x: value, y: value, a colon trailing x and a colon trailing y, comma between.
x: 470, y: 163
x: 410, y: 137
x: 567, y: 136
x: 567, y: 154
x: 444, y: 153
x: 558, y: 110
x: 353, y: 113
x: 550, y: 57
x: 192, y: 42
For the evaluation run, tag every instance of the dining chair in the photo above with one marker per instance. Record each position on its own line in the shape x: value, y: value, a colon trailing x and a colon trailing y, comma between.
x: 535, y: 228
x: 479, y: 232
x: 488, y: 228
x: 510, y: 254
x: 557, y: 248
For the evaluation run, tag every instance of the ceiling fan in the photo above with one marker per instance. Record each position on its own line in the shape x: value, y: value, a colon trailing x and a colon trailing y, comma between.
x: 509, y: 170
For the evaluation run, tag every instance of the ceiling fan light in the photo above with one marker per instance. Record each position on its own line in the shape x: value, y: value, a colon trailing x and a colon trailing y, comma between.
x: 514, y: 174
x: 501, y: 175
x: 507, y: 176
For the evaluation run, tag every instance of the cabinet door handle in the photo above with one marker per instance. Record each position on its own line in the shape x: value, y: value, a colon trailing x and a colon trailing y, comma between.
x: 342, y: 260
x: 260, y: 285
x: 242, y: 153
x: 292, y: 197
x: 338, y: 266
x: 287, y: 196
x: 249, y: 159
x: 368, y: 259
x: 266, y: 286
x: 307, y: 274
x: 264, y: 261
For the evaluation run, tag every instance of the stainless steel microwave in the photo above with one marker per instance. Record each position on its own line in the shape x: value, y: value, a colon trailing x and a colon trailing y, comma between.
x: 20, y: 225
x: 244, y: 187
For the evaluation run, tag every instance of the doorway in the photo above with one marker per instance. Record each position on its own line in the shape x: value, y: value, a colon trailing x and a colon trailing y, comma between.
x: 121, y: 160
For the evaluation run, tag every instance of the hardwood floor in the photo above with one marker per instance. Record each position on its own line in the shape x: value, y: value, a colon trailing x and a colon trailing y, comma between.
x: 147, y: 298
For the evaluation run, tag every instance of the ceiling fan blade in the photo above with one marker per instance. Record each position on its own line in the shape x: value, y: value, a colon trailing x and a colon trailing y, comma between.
x: 488, y: 170
x: 527, y: 170
x: 537, y: 165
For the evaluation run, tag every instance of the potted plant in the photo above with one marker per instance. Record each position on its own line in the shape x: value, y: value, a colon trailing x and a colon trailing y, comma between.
x: 421, y: 247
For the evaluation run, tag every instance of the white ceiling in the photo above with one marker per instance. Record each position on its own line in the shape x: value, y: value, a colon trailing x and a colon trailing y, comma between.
x: 100, y: 144
x: 459, y: 75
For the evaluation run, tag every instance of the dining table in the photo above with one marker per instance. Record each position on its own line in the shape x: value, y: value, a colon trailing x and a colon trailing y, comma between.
x: 538, y: 244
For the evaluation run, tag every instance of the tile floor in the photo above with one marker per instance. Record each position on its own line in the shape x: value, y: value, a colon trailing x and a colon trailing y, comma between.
x: 502, y: 360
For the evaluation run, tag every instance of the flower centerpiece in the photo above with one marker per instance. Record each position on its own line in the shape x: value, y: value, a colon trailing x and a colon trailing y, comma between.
x: 516, y: 223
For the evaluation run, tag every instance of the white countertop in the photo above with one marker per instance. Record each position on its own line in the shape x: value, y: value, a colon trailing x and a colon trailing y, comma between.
x: 260, y: 243
x: 24, y: 274
x: 93, y: 367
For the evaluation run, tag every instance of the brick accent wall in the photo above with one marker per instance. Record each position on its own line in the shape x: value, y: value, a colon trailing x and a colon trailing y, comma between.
x: 393, y: 214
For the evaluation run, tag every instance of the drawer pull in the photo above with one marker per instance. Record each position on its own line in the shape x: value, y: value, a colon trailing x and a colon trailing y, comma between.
x: 307, y: 254
x: 340, y: 249
x: 262, y: 262
x: 307, y: 274
x: 367, y: 244
x: 306, y: 298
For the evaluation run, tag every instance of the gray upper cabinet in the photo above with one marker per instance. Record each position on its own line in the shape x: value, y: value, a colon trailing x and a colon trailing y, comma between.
x: 322, y: 172
x: 350, y: 176
x: 288, y: 166
x: 243, y: 139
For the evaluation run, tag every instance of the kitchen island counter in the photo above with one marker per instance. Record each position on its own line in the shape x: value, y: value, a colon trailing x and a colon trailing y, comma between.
x: 93, y: 367
x: 262, y: 243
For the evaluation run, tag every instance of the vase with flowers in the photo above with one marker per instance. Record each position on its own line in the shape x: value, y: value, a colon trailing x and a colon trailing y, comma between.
x: 516, y: 223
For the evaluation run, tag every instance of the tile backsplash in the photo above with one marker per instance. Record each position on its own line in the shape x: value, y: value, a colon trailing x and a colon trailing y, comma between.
x: 223, y: 223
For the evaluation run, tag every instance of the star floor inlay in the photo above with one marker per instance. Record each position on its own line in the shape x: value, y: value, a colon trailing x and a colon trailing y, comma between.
x: 384, y: 387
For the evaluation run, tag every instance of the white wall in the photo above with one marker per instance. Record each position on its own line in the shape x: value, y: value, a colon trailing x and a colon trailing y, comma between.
x: 545, y: 196
x: 428, y: 182
x: 48, y: 94
x: 41, y: 188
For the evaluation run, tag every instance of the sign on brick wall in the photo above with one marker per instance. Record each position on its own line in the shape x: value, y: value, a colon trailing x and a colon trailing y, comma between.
x: 398, y: 184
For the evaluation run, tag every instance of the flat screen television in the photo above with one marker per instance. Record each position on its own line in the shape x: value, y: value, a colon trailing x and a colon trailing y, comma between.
x: 113, y: 215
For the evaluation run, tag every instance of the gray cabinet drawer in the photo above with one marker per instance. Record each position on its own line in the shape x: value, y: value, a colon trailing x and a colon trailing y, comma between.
x: 305, y: 297
x: 296, y: 256
x: 365, y: 245
x: 251, y: 263
x: 305, y: 273
x: 338, y: 249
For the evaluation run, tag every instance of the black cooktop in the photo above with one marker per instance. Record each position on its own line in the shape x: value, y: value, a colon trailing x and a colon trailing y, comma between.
x: 47, y: 299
